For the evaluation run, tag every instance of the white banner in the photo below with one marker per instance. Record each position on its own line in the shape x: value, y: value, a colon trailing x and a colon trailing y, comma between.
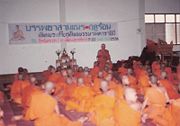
x: 55, y: 33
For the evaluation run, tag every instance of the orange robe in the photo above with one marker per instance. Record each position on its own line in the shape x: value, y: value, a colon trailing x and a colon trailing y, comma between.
x: 156, y: 110
x: 80, y: 100
x: 96, y: 85
x: 102, y: 109
x: 94, y: 72
x: 17, y: 89
x: 103, y: 56
x: 26, y: 95
x: 119, y: 91
x: 55, y: 77
x: 122, y: 71
x: 42, y: 111
x: 172, y: 93
x: 175, y: 109
x: 160, y: 115
x: 126, y: 116
x: 143, y: 82
x: 132, y: 81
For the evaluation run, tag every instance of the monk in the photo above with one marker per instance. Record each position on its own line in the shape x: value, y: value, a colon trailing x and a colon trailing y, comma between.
x: 28, y: 91
x: 80, y: 97
x: 94, y: 71
x: 47, y: 73
x: 156, y: 69
x: 103, y: 56
x: 127, y: 110
x: 156, y: 94
x: 17, y: 89
x: 122, y: 70
x: 43, y: 110
x: 20, y: 71
x: 55, y: 76
x: 102, y: 107
x: 157, y: 110
x: 132, y: 79
x: 114, y: 85
x: 172, y: 93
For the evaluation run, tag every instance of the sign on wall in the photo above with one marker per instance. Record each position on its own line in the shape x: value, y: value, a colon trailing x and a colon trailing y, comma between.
x: 55, y: 33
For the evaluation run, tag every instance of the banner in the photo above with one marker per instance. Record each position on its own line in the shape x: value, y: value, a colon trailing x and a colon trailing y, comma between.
x: 55, y: 33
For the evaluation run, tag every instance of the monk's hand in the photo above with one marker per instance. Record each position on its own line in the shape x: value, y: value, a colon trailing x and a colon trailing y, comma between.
x: 83, y: 119
x: 16, y: 118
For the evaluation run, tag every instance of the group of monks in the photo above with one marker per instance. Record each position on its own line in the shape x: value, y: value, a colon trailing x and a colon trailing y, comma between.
x: 145, y: 95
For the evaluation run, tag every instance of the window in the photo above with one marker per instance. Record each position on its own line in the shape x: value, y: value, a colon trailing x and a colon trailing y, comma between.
x: 178, y: 18
x: 159, y: 18
x: 149, y: 18
x: 163, y: 26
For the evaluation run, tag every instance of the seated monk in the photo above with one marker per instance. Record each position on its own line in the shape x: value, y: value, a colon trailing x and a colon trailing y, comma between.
x: 127, y: 111
x: 28, y: 91
x: 43, y: 110
x: 157, y: 110
x: 156, y: 69
x: 17, y: 88
x: 47, y: 73
x: 80, y: 97
x: 96, y: 82
x: 101, y: 112
x: 132, y: 79
x: 87, y: 77
x: 94, y: 71
x: 55, y: 76
x: 156, y: 94
x: 20, y: 71
x: 122, y: 70
x: 143, y: 81
x: 64, y: 90
x: 115, y: 86
x: 103, y: 56
x: 172, y: 93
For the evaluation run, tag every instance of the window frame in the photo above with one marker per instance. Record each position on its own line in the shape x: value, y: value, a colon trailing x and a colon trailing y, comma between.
x: 165, y: 22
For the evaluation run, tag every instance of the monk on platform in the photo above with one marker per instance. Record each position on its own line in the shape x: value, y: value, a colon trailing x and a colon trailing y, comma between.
x: 103, y: 57
x: 43, y: 110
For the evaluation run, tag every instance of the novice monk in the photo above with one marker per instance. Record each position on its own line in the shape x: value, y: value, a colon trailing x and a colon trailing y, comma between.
x: 43, y: 109
x: 127, y: 111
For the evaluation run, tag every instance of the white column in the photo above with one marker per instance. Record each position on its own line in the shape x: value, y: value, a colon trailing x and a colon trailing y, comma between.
x: 62, y: 16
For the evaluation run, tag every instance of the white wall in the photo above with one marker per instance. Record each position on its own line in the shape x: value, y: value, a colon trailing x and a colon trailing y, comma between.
x: 34, y: 57
x: 162, y: 6
x: 126, y: 13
